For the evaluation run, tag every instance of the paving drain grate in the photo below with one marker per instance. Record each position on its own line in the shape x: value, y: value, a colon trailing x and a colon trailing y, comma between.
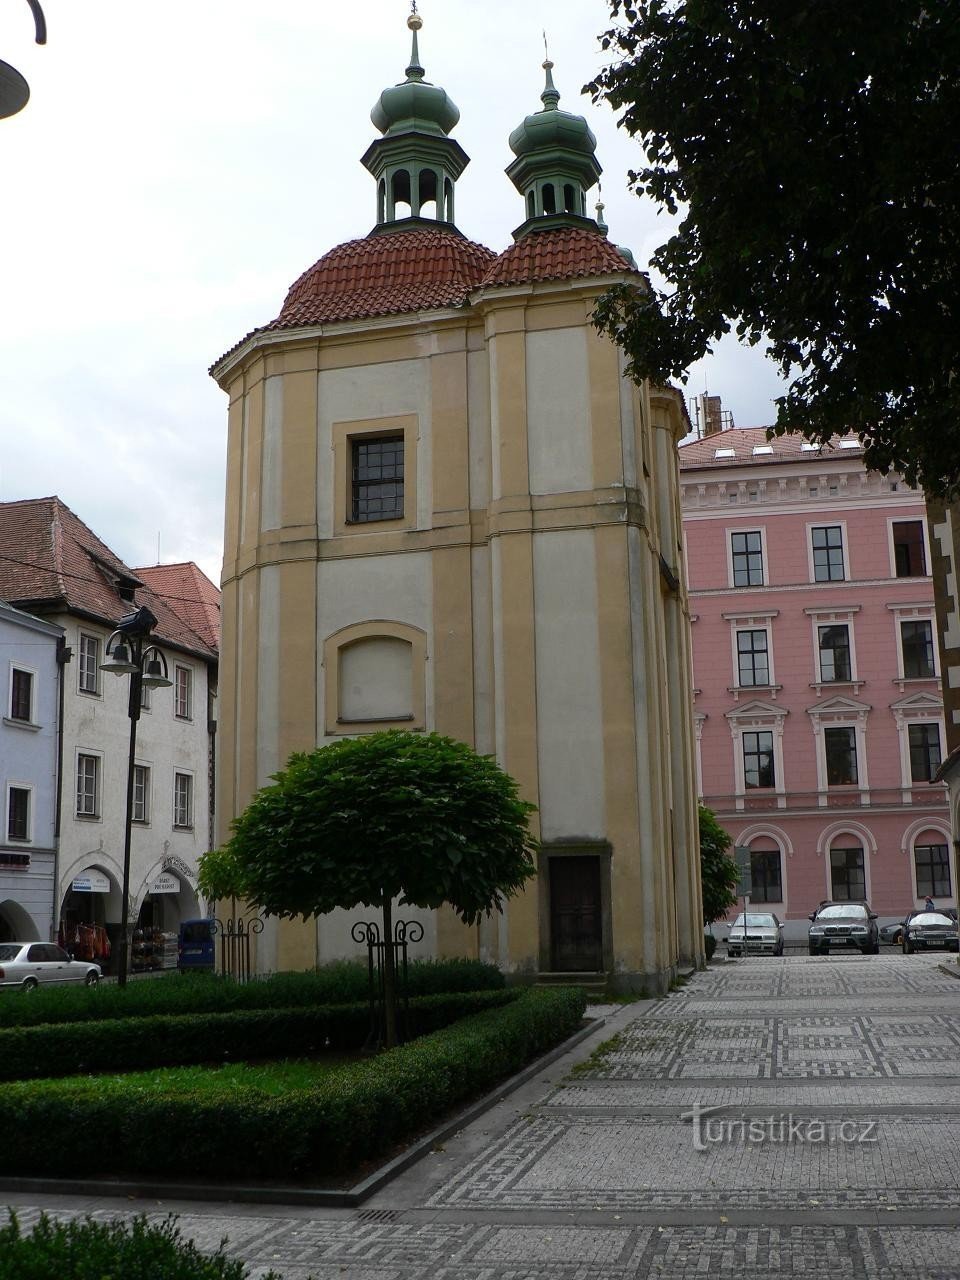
x: 378, y: 1215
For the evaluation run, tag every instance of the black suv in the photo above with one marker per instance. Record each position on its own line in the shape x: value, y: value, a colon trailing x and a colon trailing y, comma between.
x: 843, y: 924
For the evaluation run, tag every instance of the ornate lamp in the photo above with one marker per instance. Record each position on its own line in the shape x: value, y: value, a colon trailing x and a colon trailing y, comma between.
x: 14, y: 90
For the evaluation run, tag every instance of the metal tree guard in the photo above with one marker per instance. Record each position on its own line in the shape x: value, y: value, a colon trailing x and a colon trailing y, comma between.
x: 235, y: 935
x: 404, y: 932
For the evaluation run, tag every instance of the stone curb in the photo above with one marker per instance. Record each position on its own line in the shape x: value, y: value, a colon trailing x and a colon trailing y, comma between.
x: 346, y: 1199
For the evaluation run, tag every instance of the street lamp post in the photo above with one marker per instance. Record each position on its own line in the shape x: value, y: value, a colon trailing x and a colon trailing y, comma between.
x: 14, y: 90
x: 147, y: 668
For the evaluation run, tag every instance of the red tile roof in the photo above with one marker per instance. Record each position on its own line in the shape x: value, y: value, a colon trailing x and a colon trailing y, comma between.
x: 743, y: 440
x: 565, y: 253
x: 190, y: 594
x: 384, y: 275
x: 50, y: 562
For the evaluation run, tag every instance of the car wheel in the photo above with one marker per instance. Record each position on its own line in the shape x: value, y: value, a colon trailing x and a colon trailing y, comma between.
x: 954, y: 946
x: 92, y: 979
x: 779, y: 950
x: 814, y: 951
x: 29, y: 984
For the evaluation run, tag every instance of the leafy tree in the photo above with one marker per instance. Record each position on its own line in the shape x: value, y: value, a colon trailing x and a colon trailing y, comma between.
x: 812, y: 149
x: 414, y: 817
x: 718, y: 871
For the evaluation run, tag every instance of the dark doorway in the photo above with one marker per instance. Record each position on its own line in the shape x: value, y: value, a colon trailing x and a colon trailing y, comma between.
x: 576, y: 929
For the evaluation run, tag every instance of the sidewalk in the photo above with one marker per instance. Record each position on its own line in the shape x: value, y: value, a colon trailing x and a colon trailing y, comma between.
x: 848, y: 1069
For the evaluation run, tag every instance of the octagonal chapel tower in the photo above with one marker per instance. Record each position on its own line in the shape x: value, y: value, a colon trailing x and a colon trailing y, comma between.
x: 447, y: 509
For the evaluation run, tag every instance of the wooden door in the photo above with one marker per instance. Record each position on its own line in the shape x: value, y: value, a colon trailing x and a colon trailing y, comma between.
x: 576, y: 930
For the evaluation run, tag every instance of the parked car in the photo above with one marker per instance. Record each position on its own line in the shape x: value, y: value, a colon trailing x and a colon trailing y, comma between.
x: 892, y: 934
x: 27, y: 965
x: 843, y: 924
x: 925, y: 929
x: 758, y: 931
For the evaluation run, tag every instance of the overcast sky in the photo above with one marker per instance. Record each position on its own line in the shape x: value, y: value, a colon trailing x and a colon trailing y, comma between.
x: 179, y: 165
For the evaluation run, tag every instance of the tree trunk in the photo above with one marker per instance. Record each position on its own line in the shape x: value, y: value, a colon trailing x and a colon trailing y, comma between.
x: 389, y: 978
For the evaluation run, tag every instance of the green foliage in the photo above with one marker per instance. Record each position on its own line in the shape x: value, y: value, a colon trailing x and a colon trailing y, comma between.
x: 408, y: 816
x: 352, y: 1114
x: 811, y: 150
x: 131, y: 1044
x: 88, y: 1250
x: 718, y: 871
x: 339, y: 983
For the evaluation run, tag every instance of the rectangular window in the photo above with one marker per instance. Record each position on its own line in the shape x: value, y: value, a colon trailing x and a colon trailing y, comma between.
x: 182, y: 800
x: 916, y: 639
x: 840, y: 745
x: 765, y: 874
x: 758, y: 768
x: 88, y: 786
x: 924, y: 751
x: 828, y: 554
x: 377, y: 479
x: 18, y: 814
x: 183, y: 693
x: 909, y: 552
x: 21, y: 695
x: 847, y: 881
x: 89, y: 668
x: 834, y: 643
x: 141, y: 793
x: 752, y: 658
x: 933, y: 871
x: 747, y: 551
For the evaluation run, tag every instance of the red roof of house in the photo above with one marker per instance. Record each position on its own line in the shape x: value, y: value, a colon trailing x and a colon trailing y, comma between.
x: 736, y: 446
x: 565, y: 253
x: 385, y: 275
x: 190, y: 594
x: 50, y: 561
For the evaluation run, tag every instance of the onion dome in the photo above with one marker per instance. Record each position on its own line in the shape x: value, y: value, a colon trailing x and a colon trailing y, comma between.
x: 415, y: 164
x: 555, y: 166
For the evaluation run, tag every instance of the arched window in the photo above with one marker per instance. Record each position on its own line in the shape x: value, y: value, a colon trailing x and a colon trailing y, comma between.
x: 376, y: 680
x: 400, y: 191
x: 428, y: 192
x: 549, y: 198
x: 448, y: 200
x: 531, y: 205
x: 381, y: 201
x: 569, y: 198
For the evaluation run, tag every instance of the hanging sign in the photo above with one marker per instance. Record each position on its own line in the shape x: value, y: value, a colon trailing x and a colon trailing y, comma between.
x: 90, y: 881
x: 165, y: 882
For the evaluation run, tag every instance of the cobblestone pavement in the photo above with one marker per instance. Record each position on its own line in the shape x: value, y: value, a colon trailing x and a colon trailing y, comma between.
x: 794, y: 1117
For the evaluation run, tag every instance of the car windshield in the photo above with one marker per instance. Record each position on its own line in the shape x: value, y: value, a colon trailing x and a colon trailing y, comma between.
x: 932, y: 917
x: 9, y: 950
x: 755, y: 921
x: 841, y: 909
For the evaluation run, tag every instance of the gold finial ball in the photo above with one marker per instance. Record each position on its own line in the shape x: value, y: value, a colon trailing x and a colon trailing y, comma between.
x: 414, y: 22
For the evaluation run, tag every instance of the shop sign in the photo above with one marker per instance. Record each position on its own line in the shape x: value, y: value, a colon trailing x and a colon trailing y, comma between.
x: 91, y: 881
x: 164, y: 883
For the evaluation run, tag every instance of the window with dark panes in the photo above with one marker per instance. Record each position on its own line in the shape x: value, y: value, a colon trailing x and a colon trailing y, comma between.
x: 88, y: 785
x: 141, y: 793
x: 834, y: 642
x: 183, y: 693
x: 847, y: 880
x: 182, y: 800
x: 377, y: 483
x: 89, y: 664
x: 933, y: 870
x: 924, y: 751
x: 917, y: 642
x: 840, y: 745
x: 21, y: 695
x: 18, y: 814
x: 753, y: 663
x: 747, y: 552
x: 909, y: 552
x: 828, y: 554
x: 758, y: 770
x: 765, y: 876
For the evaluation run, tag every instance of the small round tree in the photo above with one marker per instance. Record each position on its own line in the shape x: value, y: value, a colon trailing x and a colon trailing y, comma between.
x: 417, y: 818
x: 718, y: 871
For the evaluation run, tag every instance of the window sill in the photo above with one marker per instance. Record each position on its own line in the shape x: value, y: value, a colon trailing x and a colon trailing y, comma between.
x: 180, y: 826
x: 19, y: 839
x: 753, y: 690
x: 22, y: 724
x: 87, y: 817
x: 140, y: 822
x: 821, y: 685
x: 377, y: 720
x: 89, y: 693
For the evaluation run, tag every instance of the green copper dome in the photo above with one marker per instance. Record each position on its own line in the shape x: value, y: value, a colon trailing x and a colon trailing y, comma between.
x: 552, y: 128
x: 415, y: 104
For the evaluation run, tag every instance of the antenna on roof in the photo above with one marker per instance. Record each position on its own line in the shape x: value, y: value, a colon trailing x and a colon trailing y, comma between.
x: 158, y: 546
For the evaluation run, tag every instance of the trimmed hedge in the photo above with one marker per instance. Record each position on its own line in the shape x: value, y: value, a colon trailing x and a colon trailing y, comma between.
x: 91, y: 1250
x: 343, y: 982
x: 133, y: 1044
x: 354, y: 1113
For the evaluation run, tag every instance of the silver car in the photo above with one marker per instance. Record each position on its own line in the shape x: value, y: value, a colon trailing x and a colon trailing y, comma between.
x: 757, y: 931
x: 31, y: 964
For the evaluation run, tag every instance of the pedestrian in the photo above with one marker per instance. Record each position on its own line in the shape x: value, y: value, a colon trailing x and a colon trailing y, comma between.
x: 928, y: 905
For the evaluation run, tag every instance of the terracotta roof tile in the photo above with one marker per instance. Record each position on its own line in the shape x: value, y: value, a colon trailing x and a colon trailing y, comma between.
x: 190, y: 594
x: 385, y: 275
x: 736, y: 446
x: 562, y: 254
x: 50, y: 561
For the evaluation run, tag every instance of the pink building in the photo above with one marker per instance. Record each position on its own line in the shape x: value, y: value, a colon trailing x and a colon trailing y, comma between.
x: 818, y: 700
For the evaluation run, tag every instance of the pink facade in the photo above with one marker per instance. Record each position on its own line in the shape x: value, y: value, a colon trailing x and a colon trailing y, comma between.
x: 817, y: 700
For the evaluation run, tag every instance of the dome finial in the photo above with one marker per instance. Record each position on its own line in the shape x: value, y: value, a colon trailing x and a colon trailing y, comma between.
x: 550, y: 96
x: 600, y: 206
x: 415, y: 71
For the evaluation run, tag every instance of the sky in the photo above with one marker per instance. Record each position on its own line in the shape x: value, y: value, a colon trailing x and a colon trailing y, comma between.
x: 177, y: 168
